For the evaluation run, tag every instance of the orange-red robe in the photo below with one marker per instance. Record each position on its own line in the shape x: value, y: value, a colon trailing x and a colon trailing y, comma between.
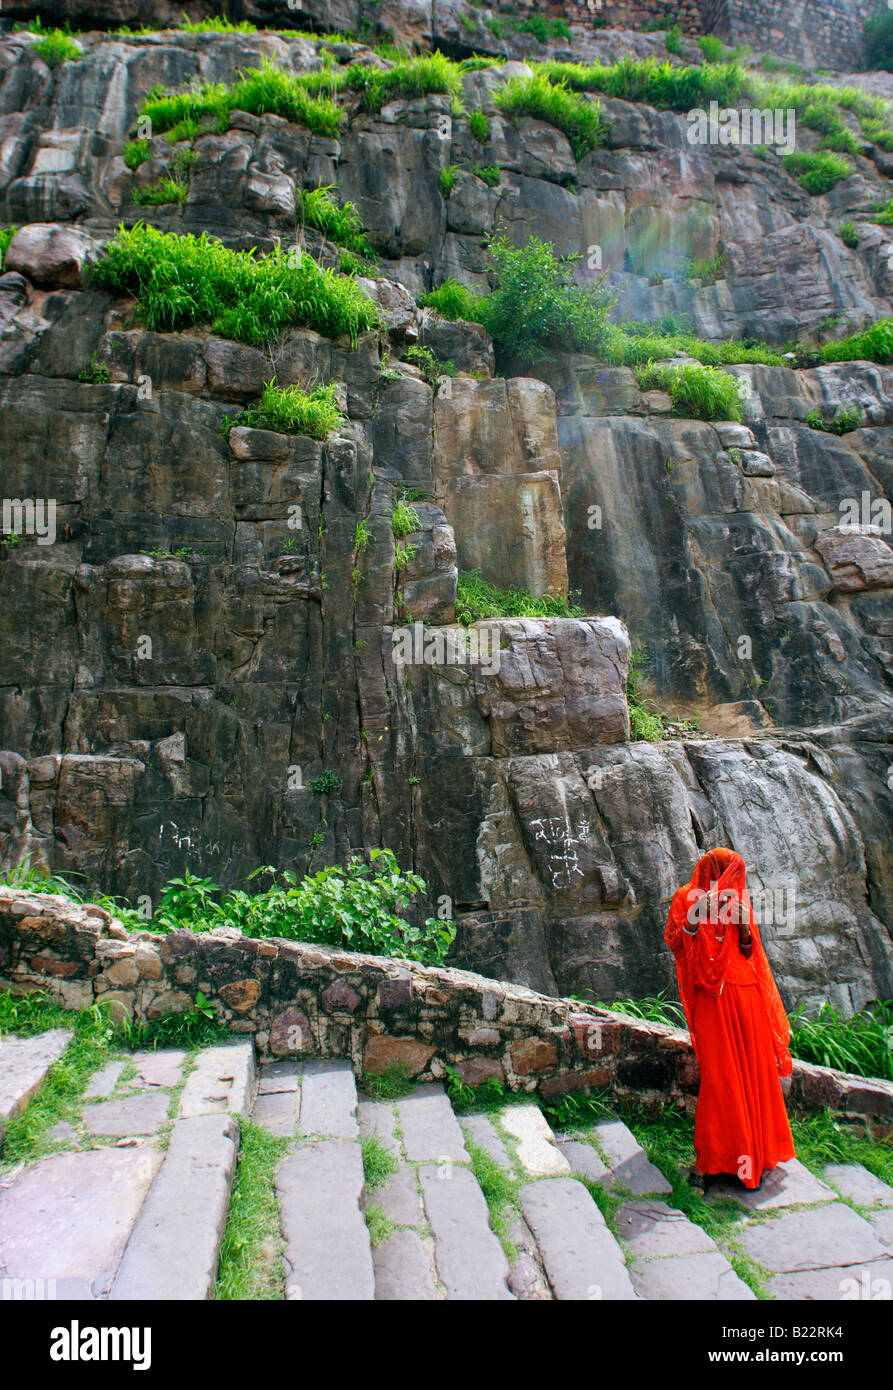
x: 739, y: 1029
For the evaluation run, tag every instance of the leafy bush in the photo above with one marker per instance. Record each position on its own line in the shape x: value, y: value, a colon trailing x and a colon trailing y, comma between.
x: 697, y: 392
x: 327, y: 782
x: 452, y: 300
x: 476, y: 598
x: 873, y: 344
x: 183, y: 280
x: 289, y: 410
x: 429, y: 364
x: 356, y: 908
x: 848, y: 234
x: 878, y: 34
x: 817, y: 173
x: 448, y: 179
x: 412, y: 77
x: 56, y: 47
x: 343, y: 225
x: 554, y: 102
x: 490, y: 174
x: 94, y: 372
x: 536, y: 309
x: 843, y: 421
x: 712, y: 48
x: 164, y: 191
x: 6, y: 236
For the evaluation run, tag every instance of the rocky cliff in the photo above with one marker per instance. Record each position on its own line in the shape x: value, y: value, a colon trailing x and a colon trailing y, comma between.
x: 182, y: 663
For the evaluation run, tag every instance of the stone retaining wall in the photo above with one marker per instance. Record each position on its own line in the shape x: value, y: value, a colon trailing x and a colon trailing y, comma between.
x: 296, y: 999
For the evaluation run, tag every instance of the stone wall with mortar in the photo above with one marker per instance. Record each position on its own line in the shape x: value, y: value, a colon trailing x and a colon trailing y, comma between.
x: 299, y: 999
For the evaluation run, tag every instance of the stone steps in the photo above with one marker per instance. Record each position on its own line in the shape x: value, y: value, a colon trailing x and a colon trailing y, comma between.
x: 24, y: 1064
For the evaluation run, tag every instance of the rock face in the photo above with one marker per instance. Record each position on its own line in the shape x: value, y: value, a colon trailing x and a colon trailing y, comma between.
x: 197, y: 630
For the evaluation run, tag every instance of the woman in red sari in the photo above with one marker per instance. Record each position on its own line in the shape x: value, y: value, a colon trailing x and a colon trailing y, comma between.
x: 739, y: 1029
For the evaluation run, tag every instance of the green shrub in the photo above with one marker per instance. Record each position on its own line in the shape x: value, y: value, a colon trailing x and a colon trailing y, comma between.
x: 215, y: 26
x: 94, y: 372
x: 476, y: 598
x: 448, y: 179
x: 490, y: 174
x: 848, y: 234
x: 770, y: 63
x: 543, y: 29
x: 56, y: 47
x: 843, y: 421
x: 289, y: 410
x: 883, y: 213
x: 6, y: 236
x: 479, y: 125
x: 136, y: 152
x: 817, y: 173
x: 183, y: 280
x: 452, y: 300
x: 343, y: 225
x: 164, y: 191
x: 413, y: 77
x: 538, y: 96
x: 873, y: 344
x: 673, y: 40
x: 878, y: 34
x: 430, y: 365
x: 327, y: 782
x: 645, y: 725
x: 697, y: 392
x: 707, y: 271
x: 712, y: 48
x: 536, y: 309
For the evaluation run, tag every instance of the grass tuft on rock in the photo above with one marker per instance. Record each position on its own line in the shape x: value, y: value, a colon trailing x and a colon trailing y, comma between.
x: 554, y: 102
x: 697, y: 392
x: 476, y: 598
x: 289, y: 410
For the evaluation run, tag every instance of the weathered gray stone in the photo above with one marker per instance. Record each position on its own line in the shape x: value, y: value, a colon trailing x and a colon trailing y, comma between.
x: 694, y: 1277
x: 164, y: 1068
x: 329, y: 1100
x: 788, y: 1185
x: 104, y: 1081
x: 24, y: 1063
x: 581, y: 1257
x: 134, y: 1115
x: 327, y: 1250
x: 536, y: 1149
x: 585, y: 1160
x: 376, y: 1118
x: 868, y: 1280
x: 480, y: 1130
x: 403, y: 1270
x: 818, y: 1237
x: 470, y: 1261
x: 398, y: 1198
x: 277, y: 1077
x: 653, y: 1228
x: 430, y: 1130
x: 221, y: 1082
x: 627, y: 1159
x: 277, y: 1112
x: 173, y: 1251
x: 855, y: 1183
x: 68, y: 1217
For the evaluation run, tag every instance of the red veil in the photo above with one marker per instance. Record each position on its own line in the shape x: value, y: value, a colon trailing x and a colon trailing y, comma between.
x: 703, y: 959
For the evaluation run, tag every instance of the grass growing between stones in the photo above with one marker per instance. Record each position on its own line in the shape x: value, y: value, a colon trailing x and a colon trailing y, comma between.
x: 697, y: 392
x: 6, y: 236
x: 184, y: 280
x: 554, y: 102
x: 341, y: 224
x: 379, y: 1163
x: 289, y: 410
x: 476, y: 598
x: 501, y: 1193
x: 391, y: 1083
x: 56, y: 47
x: 251, y: 1264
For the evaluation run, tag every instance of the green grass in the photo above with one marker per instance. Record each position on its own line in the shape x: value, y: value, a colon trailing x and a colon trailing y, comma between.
x: 848, y: 234
x: 379, y: 1163
x: 267, y: 90
x: 452, y: 300
x: 447, y: 180
x: 215, y: 26
x: 289, y: 410
x: 251, y: 1265
x: 662, y: 84
x: 872, y: 344
x: 185, y: 280
x: 476, y: 599
x: 429, y: 364
x: 501, y: 1193
x: 430, y: 74
x: 404, y: 520
x: 633, y: 344
x: 843, y: 421
x: 164, y: 191
x: 379, y: 1224
x: 646, y: 724
x: 545, y: 100
x: 706, y: 271
x: 340, y: 224
x: 712, y: 48
x: 94, y: 372
x: 479, y: 125
x: 490, y: 174
x: 56, y: 47
x: 697, y: 392
x: 391, y: 1083
x: 818, y: 173
x: 136, y: 152
x: 6, y: 236
x: 862, y: 1044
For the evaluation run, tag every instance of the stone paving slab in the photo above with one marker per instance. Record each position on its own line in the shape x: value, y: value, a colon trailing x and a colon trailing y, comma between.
x: 841, y: 1283
x: 403, y: 1269
x: 882, y: 1224
x: 277, y: 1112
x: 627, y: 1159
x: 527, y: 1279
x: 221, y: 1083
x: 164, y: 1068
x: 692, y: 1277
x: 584, y: 1160
x: 327, y: 1248
x: 376, y: 1118
x: 855, y: 1183
x: 399, y: 1198
x: 652, y: 1228
x: 174, y: 1249
x: 104, y: 1081
x: 113, y: 1119
x: 431, y: 1131
x: 537, y: 1152
x: 277, y: 1077
x: 329, y: 1100
x: 470, y: 1260
x: 582, y: 1259
x: 788, y: 1185
x: 24, y: 1063
x: 68, y: 1217
x: 480, y: 1130
x: 820, y: 1237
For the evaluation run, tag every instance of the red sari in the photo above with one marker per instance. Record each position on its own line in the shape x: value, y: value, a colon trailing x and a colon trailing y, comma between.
x: 739, y: 1029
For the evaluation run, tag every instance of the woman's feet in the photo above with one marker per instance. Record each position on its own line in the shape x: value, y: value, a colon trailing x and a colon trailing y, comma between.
x: 699, y: 1181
